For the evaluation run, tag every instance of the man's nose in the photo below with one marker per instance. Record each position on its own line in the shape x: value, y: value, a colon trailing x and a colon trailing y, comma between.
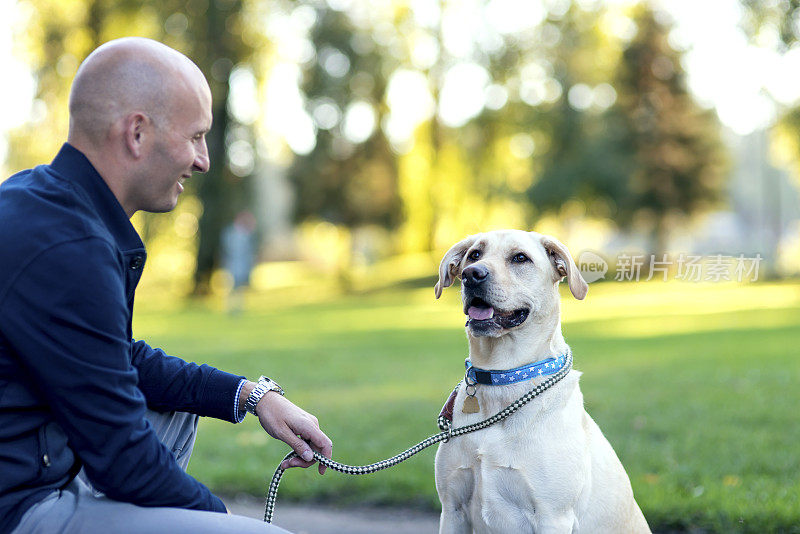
x: 201, y: 159
x: 474, y: 275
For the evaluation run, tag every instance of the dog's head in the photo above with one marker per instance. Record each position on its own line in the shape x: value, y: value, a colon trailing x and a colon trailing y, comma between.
x: 508, y: 276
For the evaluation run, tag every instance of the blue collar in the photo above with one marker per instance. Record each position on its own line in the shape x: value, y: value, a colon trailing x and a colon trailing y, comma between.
x: 546, y: 367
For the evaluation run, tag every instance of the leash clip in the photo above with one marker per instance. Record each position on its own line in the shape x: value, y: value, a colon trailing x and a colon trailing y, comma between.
x: 470, y: 382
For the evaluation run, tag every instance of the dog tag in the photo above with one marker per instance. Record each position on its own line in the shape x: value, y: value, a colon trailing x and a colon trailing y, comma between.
x: 470, y: 405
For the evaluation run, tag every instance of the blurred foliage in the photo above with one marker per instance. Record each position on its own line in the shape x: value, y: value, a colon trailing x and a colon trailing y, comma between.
x: 58, y: 35
x: 763, y: 20
x: 585, y: 159
x: 653, y: 157
x: 572, y: 109
x: 777, y: 24
x: 338, y: 181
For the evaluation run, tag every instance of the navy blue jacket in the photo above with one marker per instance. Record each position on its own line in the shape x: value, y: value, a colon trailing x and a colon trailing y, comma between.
x: 73, y: 382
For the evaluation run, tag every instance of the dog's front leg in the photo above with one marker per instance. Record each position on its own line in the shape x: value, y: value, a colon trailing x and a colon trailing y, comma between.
x: 454, y: 483
x: 454, y: 521
x: 556, y: 523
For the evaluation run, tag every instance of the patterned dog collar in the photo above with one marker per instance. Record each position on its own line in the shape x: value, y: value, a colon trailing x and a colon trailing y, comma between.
x: 546, y: 367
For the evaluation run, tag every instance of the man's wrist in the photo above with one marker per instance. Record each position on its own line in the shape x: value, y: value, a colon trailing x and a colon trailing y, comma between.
x: 257, y: 391
x: 247, y: 388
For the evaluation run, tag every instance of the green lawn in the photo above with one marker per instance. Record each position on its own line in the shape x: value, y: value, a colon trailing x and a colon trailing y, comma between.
x: 695, y: 386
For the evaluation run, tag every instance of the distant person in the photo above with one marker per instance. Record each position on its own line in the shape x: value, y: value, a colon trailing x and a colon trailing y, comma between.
x: 238, y: 255
x: 96, y: 428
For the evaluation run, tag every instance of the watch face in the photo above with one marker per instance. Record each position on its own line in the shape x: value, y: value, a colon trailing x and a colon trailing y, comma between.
x: 271, y: 384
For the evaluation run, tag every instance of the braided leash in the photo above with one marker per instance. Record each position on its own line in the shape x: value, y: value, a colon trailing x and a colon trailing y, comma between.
x: 445, y: 435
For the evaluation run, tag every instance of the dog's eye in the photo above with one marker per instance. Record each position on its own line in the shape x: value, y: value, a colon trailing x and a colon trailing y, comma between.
x: 520, y: 258
x: 475, y: 255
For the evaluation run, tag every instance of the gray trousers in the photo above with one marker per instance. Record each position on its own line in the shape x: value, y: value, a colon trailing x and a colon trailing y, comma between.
x: 79, y: 509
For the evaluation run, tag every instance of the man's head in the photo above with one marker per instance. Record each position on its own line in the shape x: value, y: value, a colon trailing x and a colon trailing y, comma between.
x: 140, y: 110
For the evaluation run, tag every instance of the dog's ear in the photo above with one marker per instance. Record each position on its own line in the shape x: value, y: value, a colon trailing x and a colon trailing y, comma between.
x: 449, y: 268
x: 564, y: 265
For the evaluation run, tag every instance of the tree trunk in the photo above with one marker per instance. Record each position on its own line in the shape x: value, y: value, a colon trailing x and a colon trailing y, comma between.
x: 214, y: 193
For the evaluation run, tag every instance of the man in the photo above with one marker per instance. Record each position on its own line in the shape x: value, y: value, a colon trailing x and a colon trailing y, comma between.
x: 76, y: 391
x: 238, y: 254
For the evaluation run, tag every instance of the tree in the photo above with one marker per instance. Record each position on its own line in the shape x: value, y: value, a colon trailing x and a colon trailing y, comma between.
x: 347, y: 180
x: 678, y: 155
x: 350, y: 176
x: 657, y: 156
x: 214, y: 38
x: 587, y: 158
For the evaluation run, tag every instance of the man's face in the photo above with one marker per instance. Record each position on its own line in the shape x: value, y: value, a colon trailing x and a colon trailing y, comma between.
x: 178, y: 149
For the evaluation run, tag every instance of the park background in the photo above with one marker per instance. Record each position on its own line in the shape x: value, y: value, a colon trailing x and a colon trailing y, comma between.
x: 367, y: 137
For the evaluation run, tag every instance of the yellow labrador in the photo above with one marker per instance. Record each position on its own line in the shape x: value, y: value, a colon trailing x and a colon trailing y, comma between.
x: 547, y: 468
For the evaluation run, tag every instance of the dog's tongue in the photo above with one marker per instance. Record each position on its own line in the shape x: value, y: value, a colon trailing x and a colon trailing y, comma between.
x: 481, y: 314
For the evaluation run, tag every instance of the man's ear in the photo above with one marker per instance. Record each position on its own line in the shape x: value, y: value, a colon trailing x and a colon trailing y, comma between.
x: 449, y: 269
x: 134, y: 126
x: 563, y: 265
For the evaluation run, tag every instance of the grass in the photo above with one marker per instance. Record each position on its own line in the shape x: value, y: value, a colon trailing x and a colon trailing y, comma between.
x: 694, y: 385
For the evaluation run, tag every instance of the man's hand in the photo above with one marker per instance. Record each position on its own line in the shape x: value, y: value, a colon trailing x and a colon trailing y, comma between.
x: 297, y: 428
x: 294, y: 426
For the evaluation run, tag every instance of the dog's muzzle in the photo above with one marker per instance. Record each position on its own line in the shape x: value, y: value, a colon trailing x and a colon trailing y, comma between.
x: 484, y: 319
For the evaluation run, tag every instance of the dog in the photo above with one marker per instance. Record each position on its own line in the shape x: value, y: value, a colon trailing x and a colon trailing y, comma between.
x: 547, y: 468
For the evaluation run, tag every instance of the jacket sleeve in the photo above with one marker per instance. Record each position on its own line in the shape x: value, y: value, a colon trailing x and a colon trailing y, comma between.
x: 169, y: 383
x: 66, y: 318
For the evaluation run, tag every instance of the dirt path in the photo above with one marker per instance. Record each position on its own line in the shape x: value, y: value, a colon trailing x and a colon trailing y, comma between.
x: 328, y: 520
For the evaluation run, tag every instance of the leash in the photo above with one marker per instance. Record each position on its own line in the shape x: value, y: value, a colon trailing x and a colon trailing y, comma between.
x: 446, y: 433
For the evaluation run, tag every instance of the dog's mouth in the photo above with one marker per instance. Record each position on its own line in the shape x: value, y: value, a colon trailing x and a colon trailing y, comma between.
x: 483, y: 315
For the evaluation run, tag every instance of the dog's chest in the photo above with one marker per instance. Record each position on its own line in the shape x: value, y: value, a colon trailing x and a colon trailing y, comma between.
x: 502, y: 498
x: 500, y: 472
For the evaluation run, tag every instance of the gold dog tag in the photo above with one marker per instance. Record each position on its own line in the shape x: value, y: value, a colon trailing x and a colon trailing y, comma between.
x: 470, y: 405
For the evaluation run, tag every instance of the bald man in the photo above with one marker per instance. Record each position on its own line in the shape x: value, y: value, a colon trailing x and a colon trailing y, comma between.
x: 96, y: 428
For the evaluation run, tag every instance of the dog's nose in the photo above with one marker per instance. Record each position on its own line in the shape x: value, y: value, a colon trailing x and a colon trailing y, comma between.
x: 475, y: 274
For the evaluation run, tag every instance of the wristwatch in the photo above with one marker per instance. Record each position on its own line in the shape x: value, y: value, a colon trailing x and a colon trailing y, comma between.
x: 263, y: 386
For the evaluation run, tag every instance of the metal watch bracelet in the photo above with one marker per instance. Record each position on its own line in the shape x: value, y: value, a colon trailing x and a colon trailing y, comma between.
x: 263, y: 386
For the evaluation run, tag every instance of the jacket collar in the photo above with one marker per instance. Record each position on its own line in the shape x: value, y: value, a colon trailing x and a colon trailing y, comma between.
x: 547, y: 367
x: 71, y: 164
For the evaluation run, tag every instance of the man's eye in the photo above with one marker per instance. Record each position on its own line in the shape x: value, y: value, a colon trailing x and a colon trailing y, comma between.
x: 520, y: 258
x: 475, y: 255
